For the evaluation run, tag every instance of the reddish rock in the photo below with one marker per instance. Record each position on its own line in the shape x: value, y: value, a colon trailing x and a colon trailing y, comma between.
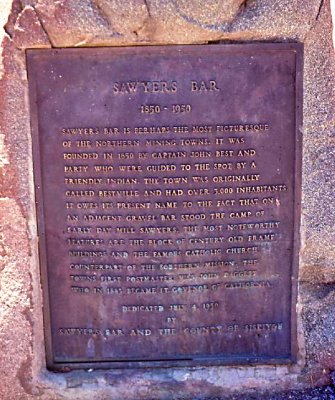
x: 61, y: 23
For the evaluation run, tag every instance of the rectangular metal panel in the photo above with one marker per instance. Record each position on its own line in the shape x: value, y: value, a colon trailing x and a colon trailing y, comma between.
x: 168, y: 197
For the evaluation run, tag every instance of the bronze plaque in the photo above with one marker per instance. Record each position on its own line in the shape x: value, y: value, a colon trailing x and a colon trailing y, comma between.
x: 168, y: 190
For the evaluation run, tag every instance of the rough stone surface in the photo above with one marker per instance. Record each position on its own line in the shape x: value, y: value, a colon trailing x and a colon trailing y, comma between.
x: 69, y: 23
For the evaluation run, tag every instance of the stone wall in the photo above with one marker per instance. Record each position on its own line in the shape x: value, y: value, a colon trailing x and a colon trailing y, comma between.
x: 71, y: 23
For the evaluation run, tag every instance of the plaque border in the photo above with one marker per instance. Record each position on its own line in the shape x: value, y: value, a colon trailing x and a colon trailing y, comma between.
x: 215, y: 360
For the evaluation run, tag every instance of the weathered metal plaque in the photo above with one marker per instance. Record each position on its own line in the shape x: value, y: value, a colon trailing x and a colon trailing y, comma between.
x: 167, y: 186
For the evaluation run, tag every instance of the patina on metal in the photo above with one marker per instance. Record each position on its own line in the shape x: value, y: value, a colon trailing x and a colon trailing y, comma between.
x: 168, y: 200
